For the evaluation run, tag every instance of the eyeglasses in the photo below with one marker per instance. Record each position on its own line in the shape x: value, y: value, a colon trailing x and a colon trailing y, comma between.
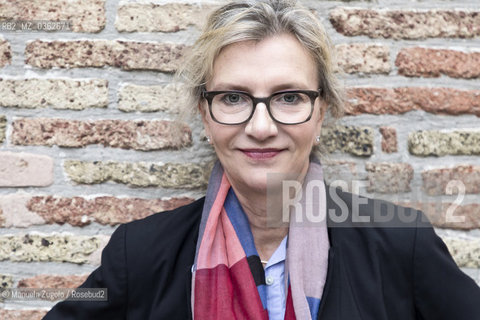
x: 237, y: 107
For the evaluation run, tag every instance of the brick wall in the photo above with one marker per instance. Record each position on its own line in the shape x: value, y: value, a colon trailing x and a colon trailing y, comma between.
x: 86, y: 139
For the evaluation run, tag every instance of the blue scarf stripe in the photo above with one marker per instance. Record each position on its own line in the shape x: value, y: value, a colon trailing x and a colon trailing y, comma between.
x: 240, y: 223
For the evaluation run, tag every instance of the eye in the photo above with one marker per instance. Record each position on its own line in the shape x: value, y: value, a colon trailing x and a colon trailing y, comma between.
x: 290, y: 97
x: 231, y: 98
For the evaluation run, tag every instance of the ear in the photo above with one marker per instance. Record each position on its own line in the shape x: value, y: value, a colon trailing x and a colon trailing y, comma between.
x: 204, y: 114
x: 323, y: 109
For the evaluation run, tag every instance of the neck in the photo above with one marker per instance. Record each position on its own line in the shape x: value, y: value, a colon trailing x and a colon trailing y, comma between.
x: 263, y: 218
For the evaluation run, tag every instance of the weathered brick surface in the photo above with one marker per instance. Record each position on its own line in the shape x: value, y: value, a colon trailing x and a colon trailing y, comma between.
x: 389, y: 139
x: 127, y: 55
x: 425, y: 62
x: 389, y: 177
x: 6, y: 281
x: 151, y: 17
x: 465, y: 252
x: 140, y: 174
x: 54, y: 93
x: 341, y: 171
x: 52, y: 281
x: 49, y: 247
x: 3, y: 127
x: 5, y: 52
x: 14, y: 212
x: 79, y: 211
x: 438, y: 143
x: 24, y: 169
x: 138, y: 135
x: 435, y: 181
x: 406, y: 24
x: 7, y: 314
x: 450, y: 215
x: 167, y: 98
x: 363, y: 57
x: 84, y: 15
x: 355, y: 140
x: 401, y: 100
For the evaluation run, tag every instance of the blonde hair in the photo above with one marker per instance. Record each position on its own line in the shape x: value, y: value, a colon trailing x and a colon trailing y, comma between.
x: 256, y: 20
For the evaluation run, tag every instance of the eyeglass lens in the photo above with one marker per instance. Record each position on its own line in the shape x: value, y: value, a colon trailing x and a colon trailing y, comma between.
x: 285, y: 107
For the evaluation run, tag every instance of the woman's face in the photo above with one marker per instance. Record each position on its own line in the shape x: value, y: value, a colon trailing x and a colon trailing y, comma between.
x: 249, y: 151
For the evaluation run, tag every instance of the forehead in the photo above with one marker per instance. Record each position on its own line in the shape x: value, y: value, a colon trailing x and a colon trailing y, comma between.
x: 277, y: 61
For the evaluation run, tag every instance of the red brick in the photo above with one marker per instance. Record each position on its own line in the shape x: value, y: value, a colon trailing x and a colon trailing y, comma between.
x: 435, y: 181
x: 52, y: 281
x: 389, y: 139
x: 401, y: 100
x: 424, y: 62
x: 84, y: 15
x: 389, y: 177
x: 437, y: 214
x: 5, y: 53
x: 406, y: 24
x: 6, y: 314
x: 128, y: 55
x: 138, y: 135
x: 79, y: 211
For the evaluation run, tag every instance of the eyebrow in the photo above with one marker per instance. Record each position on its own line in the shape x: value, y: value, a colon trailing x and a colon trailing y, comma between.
x: 280, y: 87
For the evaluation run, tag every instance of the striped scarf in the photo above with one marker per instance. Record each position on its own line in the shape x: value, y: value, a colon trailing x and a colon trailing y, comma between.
x: 228, y: 280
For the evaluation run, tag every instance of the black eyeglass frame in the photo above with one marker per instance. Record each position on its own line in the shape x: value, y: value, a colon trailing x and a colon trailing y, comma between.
x: 312, y: 94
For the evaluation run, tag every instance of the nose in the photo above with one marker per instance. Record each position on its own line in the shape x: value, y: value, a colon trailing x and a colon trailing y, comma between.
x: 261, y: 126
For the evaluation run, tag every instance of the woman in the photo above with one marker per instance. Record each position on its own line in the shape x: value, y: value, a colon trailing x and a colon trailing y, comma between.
x: 269, y: 240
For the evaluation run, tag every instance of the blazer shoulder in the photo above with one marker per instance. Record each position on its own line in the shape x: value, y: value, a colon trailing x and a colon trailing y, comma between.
x: 345, y: 209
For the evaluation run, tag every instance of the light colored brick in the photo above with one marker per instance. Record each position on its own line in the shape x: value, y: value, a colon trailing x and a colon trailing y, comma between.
x: 11, y: 314
x: 52, y: 281
x: 465, y: 252
x: 167, y: 98
x: 441, y: 143
x: 127, y: 55
x: 435, y: 181
x: 343, y: 171
x: 6, y: 281
x: 354, y: 140
x: 406, y: 24
x: 450, y: 215
x: 138, y: 135
x: 25, y: 169
x: 389, y: 139
x: 84, y: 15
x: 400, y: 100
x: 3, y: 127
x: 80, y: 211
x: 5, y: 53
x: 389, y: 177
x: 140, y: 174
x: 31, y: 247
x: 363, y: 57
x: 14, y: 212
x: 54, y: 93
x: 151, y: 17
x: 425, y: 62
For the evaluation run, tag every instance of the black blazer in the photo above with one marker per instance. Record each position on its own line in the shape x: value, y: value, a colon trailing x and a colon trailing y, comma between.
x: 378, y: 270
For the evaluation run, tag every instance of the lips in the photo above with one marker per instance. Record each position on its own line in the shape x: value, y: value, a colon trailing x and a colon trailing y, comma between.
x: 261, y: 154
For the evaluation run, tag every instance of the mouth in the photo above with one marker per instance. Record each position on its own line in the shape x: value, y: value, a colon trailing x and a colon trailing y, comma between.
x: 261, y: 154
